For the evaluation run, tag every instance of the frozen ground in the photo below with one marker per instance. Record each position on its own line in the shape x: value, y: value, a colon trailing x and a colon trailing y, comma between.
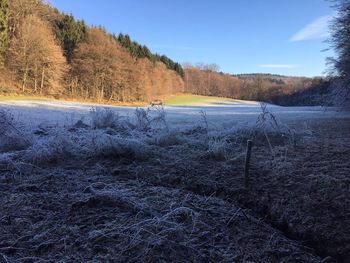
x: 80, y: 183
x: 65, y: 113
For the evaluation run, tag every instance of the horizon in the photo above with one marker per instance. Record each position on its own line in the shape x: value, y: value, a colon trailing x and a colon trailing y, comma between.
x: 249, y: 41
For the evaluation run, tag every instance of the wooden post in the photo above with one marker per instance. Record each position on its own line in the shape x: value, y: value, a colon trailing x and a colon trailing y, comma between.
x: 247, y: 163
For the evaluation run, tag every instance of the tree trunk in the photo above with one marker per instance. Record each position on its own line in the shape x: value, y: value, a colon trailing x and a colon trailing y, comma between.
x: 35, y: 79
x: 25, y: 75
x: 42, y: 80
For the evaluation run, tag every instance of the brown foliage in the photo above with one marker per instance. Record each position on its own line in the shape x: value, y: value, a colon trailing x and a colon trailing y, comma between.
x: 36, y: 58
x: 205, y: 80
x: 103, y: 70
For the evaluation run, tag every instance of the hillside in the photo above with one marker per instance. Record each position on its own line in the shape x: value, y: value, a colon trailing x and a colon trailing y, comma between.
x: 46, y: 52
x: 207, y: 80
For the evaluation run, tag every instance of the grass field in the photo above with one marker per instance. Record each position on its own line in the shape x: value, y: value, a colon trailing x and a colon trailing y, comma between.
x: 196, y: 100
x: 176, y: 100
x: 82, y: 101
x: 22, y: 97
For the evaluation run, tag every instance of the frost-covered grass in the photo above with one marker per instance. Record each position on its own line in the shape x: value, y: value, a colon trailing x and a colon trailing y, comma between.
x: 151, y: 180
x: 36, y: 112
x: 12, y: 136
x: 105, y: 133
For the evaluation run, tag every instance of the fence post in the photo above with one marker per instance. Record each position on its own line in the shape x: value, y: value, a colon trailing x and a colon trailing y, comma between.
x: 247, y: 163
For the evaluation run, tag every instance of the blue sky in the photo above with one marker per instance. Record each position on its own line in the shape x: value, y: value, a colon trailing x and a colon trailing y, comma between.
x: 241, y: 36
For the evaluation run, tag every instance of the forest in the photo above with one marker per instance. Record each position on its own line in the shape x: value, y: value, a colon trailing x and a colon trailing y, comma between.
x: 44, y: 52
x: 202, y: 79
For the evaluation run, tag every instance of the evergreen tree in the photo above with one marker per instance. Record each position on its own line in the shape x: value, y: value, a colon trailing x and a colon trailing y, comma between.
x: 4, y: 29
x: 138, y: 51
x: 70, y: 33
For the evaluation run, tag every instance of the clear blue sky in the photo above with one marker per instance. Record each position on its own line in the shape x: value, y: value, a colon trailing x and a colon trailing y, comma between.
x: 241, y: 36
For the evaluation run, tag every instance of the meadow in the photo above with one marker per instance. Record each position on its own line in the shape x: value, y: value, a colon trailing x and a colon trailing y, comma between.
x: 86, y: 182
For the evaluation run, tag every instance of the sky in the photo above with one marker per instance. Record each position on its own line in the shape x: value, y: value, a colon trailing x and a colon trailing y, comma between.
x: 242, y: 36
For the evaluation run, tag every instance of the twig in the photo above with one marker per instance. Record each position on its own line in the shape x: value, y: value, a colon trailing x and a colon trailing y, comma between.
x: 247, y: 163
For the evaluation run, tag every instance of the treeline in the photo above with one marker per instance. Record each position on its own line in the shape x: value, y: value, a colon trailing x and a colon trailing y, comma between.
x: 205, y: 79
x: 46, y: 52
x: 142, y: 51
x: 320, y: 93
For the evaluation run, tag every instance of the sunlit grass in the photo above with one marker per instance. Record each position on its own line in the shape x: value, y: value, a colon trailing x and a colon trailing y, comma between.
x: 22, y: 97
x: 14, y: 97
x: 195, y: 100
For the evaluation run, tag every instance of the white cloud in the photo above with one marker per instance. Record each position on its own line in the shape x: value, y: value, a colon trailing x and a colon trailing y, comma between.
x: 316, y: 29
x: 278, y: 66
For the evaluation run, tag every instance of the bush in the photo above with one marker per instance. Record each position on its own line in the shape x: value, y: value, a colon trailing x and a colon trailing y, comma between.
x: 102, y: 118
x: 149, y: 118
x: 165, y: 139
x: 107, y: 146
x: 11, y: 137
x: 50, y: 151
x: 218, y: 148
x: 143, y: 119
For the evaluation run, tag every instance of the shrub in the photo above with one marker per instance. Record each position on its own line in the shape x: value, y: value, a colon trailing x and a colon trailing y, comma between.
x: 143, y: 119
x: 102, y: 118
x: 50, y: 151
x: 165, y: 139
x: 11, y: 137
x: 107, y: 146
x: 218, y: 148
x: 154, y: 117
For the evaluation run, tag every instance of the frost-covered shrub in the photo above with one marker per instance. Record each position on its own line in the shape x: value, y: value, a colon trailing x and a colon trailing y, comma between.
x: 159, y: 120
x: 107, y: 146
x: 218, y: 148
x: 164, y: 139
x: 103, y: 118
x: 12, y: 138
x: 272, y: 129
x: 51, y: 150
x: 6, y: 121
x: 13, y: 143
x: 143, y: 119
x: 149, y: 118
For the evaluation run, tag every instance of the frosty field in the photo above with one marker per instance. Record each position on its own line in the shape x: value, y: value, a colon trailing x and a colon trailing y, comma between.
x: 92, y: 183
x: 34, y: 112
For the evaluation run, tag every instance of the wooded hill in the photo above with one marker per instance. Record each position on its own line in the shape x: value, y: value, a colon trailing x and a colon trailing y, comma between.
x: 205, y: 79
x: 46, y: 52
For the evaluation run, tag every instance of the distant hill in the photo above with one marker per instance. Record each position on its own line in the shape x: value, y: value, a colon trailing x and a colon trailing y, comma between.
x: 273, y: 88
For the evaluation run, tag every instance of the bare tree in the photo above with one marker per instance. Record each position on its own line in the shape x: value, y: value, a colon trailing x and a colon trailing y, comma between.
x: 36, y: 58
x: 340, y: 40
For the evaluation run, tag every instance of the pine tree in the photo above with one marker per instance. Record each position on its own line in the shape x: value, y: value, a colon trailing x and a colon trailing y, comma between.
x: 138, y: 51
x: 70, y: 33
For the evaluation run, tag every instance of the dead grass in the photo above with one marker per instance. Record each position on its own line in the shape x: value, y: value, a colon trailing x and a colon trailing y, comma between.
x: 78, y: 217
x: 135, y: 195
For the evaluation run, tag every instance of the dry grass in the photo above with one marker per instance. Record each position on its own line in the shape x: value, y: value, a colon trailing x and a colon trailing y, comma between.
x: 12, y: 137
x: 78, y: 217
x: 145, y: 193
